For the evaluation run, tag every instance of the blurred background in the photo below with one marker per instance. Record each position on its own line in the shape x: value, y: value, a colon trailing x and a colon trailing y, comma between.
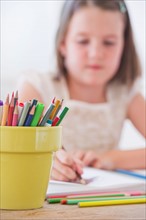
x: 28, y: 31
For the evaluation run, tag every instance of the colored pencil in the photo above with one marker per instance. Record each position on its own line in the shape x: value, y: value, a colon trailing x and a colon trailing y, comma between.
x: 37, y: 115
x: 24, y: 113
x: 55, y: 110
x: 15, y: 98
x: 11, y: 110
x: 5, y: 111
x: 15, y: 115
x: 47, y: 114
x: 131, y: 173
x: 48, y: 123
x: 1, y: 111
x: 56, y: 119
x: 20, y: 109
x: 75, y: 202
x: 62, y: 115
x: 92, y: 193
x: 30, y: 116
x: 112, y: 202
x: 58, y: 200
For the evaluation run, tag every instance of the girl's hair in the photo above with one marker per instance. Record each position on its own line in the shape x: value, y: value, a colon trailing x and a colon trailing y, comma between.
x: 129, y: 68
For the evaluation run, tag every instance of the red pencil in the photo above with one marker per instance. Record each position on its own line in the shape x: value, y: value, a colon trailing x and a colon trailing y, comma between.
x: 56, y: 119
x: 11, y: 110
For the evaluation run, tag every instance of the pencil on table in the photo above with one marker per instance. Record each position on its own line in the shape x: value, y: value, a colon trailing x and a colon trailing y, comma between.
x: 112, y: 202
x: 89, y: 196
x: 76, y: 201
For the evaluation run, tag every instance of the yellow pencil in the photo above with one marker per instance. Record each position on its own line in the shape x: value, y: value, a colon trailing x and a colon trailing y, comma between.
x: 112, y: 202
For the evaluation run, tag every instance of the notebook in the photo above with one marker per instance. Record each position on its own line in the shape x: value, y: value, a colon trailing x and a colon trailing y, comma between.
x: 98, y: 181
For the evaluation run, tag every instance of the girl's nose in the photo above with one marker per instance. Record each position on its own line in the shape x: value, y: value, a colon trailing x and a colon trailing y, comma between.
x: 95, y: 51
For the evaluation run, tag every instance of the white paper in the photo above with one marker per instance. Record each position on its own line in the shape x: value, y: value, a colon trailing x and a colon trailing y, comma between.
x: 99, y: 181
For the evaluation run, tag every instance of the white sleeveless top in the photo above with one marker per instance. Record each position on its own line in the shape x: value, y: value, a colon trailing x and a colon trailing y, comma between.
x: 86, y: 126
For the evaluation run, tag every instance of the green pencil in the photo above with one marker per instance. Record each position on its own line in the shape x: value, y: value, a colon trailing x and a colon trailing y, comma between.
x: 37, y: 115
x: 75, y: 202
x: 61, y: 116
x: 58, y: 200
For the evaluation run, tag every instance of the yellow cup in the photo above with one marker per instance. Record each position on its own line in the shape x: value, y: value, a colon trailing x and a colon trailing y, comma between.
x: 26, y: 159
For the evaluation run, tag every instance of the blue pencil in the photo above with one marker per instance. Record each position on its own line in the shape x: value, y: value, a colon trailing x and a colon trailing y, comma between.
x: 131, y: 173
x: 30, y: 116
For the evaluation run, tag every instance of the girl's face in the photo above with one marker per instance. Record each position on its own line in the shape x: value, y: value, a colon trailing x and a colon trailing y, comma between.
x: 93, y: 45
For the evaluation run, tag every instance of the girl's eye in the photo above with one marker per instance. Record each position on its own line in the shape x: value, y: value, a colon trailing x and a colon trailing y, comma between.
x: 109, y: 43
x: 84, y: 41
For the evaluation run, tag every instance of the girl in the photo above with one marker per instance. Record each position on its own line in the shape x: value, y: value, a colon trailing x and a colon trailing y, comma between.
x: 98, y: 77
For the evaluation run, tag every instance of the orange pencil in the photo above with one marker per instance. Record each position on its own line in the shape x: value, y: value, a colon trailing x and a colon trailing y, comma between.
x: 54, y: 111
x: 5, y: 112
x: 11, y: 110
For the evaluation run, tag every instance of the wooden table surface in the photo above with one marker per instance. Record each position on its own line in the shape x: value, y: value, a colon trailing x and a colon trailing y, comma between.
x: 68, y: 212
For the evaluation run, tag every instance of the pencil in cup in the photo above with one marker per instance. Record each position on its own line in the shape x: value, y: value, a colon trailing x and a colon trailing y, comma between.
x: 15, y: 115
x: 5, y: 112
x: 112, y: 202
x: 62, y: 115
x: 55, y: 110
x: 47, y: 114
x: 37, y: 115
x: 1, y: 110
x: 30, y: 116
x: 24, y: 113
x: 11, y: 110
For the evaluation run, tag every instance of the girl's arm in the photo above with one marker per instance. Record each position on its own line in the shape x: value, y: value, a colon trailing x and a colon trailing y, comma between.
x: 128, y: 159
x: 137, y: 113
x: 122, y: 159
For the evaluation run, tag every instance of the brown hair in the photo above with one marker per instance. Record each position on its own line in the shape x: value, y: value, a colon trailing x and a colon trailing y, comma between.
x: 129, y: 68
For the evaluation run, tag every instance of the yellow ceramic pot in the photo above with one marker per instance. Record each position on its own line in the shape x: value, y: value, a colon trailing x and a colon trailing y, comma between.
x: 26, y: 159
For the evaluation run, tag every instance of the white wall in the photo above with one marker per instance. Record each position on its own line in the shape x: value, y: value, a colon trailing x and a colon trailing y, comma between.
x: 27, y: 39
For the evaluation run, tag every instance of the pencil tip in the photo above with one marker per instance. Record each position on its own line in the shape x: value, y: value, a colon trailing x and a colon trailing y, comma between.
x: 53, y: 101
x: 16, y: 94
x: 63, y: 202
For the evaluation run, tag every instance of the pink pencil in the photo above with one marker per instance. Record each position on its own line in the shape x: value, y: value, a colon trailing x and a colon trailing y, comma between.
x: 74, y: 195
x: 15, y: 115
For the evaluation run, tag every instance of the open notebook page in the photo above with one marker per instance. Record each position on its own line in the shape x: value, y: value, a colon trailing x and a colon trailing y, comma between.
x: 98, y: 181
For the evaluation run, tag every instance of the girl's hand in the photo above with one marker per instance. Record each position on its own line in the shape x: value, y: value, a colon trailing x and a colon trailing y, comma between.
x: 66, y: 167
x: 107, y: 160
x: 87, y: 157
